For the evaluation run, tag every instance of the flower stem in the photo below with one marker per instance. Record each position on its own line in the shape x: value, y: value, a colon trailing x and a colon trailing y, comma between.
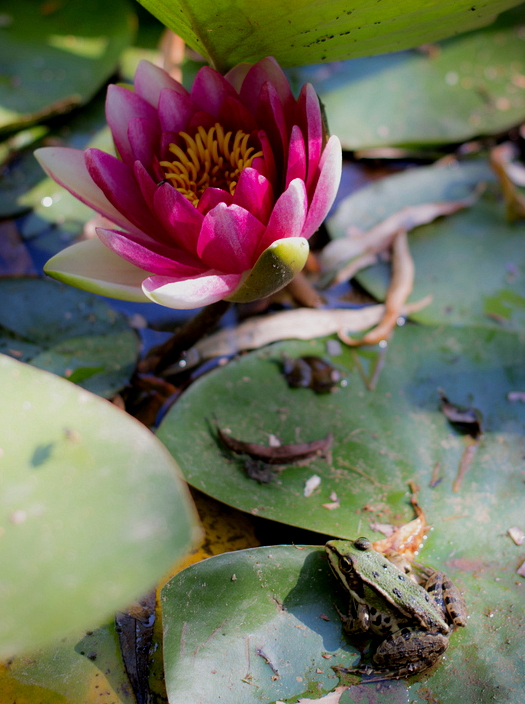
x: 163, y: 356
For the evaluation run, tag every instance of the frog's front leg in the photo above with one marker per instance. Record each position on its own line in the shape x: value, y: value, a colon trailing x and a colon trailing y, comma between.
x: 408, y: 651
x: 357, y: 620
x: 446, y: 596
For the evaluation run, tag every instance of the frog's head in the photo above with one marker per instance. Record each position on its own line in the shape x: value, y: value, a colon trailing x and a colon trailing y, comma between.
x: 345, y: 559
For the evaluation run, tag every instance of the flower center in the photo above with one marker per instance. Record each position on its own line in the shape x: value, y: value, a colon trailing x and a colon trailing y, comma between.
x: 209, y: 160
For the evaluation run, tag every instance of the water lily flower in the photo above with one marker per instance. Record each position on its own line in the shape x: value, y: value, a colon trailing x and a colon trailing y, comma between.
x: 214, y: 192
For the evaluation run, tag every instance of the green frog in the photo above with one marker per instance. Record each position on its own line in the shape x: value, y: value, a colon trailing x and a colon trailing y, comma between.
x: 412, y: 610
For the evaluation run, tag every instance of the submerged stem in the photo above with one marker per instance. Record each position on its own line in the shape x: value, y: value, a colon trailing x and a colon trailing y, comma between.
x: 163, y: 356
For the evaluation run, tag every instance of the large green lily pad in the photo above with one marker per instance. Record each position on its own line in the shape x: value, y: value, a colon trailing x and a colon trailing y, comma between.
x: 449, y: 92
x: 92, y: 509
x: 55, y: 56
x: 260, y: 625
x: 307, y: 32
x: 81, y: 669
x: 383, y: 439
x: 67, y: 332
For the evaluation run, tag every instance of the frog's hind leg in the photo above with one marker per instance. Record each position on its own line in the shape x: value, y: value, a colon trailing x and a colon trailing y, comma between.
x: 447, y: 597
x: 408, y: 652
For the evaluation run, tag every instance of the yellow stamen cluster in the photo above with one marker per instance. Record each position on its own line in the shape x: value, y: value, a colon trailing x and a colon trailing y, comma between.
x: 208, y: 160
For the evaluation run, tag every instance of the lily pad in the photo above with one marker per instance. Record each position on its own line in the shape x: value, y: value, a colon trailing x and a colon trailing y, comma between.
x: 77, y: 670
x: 307, y: 32
x: 472, y: 262
x: 92, y: 508
x: 67, y: 332
x: 260, y: 625
x: 23, y: 184
x: 383, y: 439
x: 55, y: 56
x: 448, y: 92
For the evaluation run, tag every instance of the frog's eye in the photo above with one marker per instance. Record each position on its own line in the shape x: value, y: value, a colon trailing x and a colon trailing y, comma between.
x: 347, y: 564
x: 363, y: 544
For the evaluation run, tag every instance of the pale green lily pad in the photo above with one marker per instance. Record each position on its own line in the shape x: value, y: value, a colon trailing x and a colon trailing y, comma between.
x: 84, y: 669
x: 383, y: 439
x: 308, y: 32
x: 372, y: 204
x: 260, y: 625
x: 472, y: 262
x: 450, y: 92
x: 92, y: 508
x: 68, y: 332
x: 56, y: 56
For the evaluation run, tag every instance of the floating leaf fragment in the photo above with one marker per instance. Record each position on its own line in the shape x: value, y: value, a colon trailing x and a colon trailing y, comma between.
x: 284, y: 454
x: 311, y: 485
x: 514, y: 396
x: 465, y: 420
x: 517, y: 535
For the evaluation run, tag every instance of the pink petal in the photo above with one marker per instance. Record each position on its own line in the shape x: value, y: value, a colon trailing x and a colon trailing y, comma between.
x: 288, y: 216
x: 229, y: 239
x: 270, y: 116
x: 326, y: 187
x: 237, y: 74
x: 269, y: 160
x: 121, y: 106
x: 164, y: 261
x: 233, y: 115
x: 150, y: 81
x: 143, y: 139
x: 190, y: 292
x: 210, y: 89
x: 175, y: 111
x: 296, y: 167
x: 312, y: 126
x: 179, y: 217
x: 254, y: 193
x: 212, y: 197
x: 201, y: 118
x: 146, y: 184
x: 68, y: 168
x: 267, y: 70
x: 117, y: 180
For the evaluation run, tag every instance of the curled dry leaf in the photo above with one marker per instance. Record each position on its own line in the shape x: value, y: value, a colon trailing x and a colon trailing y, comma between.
x: 300, y: 324
x: 502, y: 161
x: 361, y: 249
x: 406, y: 540
x: 284, y: 454
x: 399, y: 290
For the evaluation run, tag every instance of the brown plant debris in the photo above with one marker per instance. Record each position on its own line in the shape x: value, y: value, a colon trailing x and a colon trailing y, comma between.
x: 284, y: 454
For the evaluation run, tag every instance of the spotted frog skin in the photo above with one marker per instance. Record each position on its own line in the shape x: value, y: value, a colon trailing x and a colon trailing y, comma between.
x: 411, y: 615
